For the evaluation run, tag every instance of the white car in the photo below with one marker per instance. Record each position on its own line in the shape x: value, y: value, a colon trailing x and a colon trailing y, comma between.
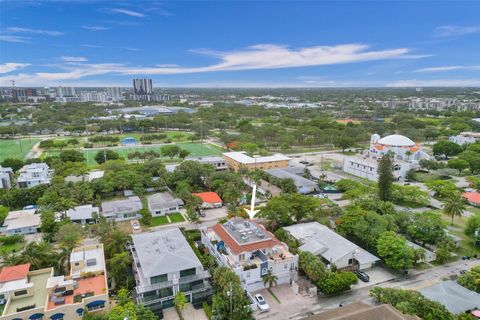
x: 261, y: 303
x: 135, y: 226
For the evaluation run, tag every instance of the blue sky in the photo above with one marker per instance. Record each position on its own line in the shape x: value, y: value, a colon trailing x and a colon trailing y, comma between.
x: 240, y: 44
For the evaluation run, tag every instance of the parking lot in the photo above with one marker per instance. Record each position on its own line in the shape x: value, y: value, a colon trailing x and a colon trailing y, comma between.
x: 214, y: 214
x: 291, y: 303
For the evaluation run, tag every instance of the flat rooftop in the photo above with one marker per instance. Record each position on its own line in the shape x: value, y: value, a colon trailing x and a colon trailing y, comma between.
x: 39, y: 297
x: 245, y: 231
x: 93, y: 285
x: 243, y: 158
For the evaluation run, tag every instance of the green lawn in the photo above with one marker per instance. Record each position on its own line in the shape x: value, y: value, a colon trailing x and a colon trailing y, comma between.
x: 195, y: 149
x: 14, y: 247
x: 176, y: 217
x: 158, y: 221
x: 18, y: 148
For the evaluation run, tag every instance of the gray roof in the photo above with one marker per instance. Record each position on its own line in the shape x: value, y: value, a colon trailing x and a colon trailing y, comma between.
x: 82, y: 212
x: 454, y: 297
x: 164, y: 251
x: 320, y: 240
x: 129, y: 205
x: 163, y: 200
x: 300, y: 182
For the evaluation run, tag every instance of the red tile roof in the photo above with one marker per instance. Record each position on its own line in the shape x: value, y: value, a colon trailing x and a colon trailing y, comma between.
x: 473, y: 197
x: 237, y: 248
x: 14, y: 272
x: 210, y: 197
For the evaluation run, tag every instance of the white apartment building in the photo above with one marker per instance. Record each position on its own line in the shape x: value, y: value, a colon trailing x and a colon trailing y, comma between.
x: 461, y: 139
x: 249, y: 250
x: 34, y: 174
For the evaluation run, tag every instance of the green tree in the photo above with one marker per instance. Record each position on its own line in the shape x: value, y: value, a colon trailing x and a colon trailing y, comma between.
x: 183, y: 154
x: 146, y: 216
x: 446, y: 148
x: 454, y: 205
x: 13, y: 163
x: 385, y: 178
x: 394, y: 251
x: 269, y: 279
x: 119, y: 267
x: 458, y: 164
x: 48, y: 224
x: 426, y: 227
x: 344, y: 142
x: 3, y: 214
x: 180, y: 302
x: 442, y: 188
x: 473, y: 222
x: 170, y: 151
x: 471, y: 279
x: 334, y: 283
x: 106, y: 154
x: 72, y: 156
x: 311, y: 265
x: 69, y: 236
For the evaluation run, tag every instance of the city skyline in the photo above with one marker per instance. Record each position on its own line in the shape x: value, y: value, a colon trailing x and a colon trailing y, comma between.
x: 234, y: 44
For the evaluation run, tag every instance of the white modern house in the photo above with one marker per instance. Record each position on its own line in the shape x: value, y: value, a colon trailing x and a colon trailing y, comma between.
x: 34, y: 174
x: 84, y: 214
x: 6, y: 177
x: 21, y: 222
x: 162, y: 203
x: 218, y: 162
x: 164, y: 264
x: 123, y: 209
x: 331, y: 247
x: 249, y: 250
x: 406, y: 155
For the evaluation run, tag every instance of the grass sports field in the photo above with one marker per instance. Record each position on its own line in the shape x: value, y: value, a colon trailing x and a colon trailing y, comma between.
x: 16, y: 148
x: 195, y: 149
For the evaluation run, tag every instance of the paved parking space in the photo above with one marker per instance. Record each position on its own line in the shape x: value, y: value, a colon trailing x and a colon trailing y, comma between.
x: 377, y: 275
x: 189, y: 313
x: 135, y: 221
x: 291, y: 303
x: 215, y: 214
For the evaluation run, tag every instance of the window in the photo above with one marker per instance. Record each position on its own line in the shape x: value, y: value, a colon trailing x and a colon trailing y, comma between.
x: 20, y: 293
x: 159, y: 279
x: 91, y: 262
x: 187, y: 272
x: 165, y: 292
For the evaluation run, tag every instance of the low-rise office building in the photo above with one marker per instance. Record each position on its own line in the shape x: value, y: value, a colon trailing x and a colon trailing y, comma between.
x: 249, y: 250
x: 34, y: 174
x: 164, y: 264
x: 218, y: 162
x: 21, y: 222
x: 162, y: 203
x: 123, y: 209
x: 239, y: 160
x: 40, y: 294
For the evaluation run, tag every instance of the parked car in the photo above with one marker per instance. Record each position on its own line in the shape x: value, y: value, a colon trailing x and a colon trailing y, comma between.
x: 201, y: 213
x: 304, y: 162
x: 136, y: 226
x: 463, y: 271
x: 262, y: 304
x: 363, y: 276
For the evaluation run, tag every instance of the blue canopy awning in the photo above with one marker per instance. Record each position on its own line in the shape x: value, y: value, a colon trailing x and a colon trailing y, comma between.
x: 57, y: 316
x: 36, y: 316
x: 96, y: 303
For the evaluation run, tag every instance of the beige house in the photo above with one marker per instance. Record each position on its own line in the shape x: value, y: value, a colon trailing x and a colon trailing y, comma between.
x: 238, y: 160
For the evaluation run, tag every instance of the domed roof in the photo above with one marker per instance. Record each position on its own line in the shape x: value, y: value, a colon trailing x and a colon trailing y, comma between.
x: 396, y: 140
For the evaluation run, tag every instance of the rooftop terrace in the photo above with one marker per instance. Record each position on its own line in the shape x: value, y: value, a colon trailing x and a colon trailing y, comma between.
x: 38, y: 299
x: 245, y: 231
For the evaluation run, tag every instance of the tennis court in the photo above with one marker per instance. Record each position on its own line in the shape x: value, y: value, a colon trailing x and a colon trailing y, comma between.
x: 18, y: 148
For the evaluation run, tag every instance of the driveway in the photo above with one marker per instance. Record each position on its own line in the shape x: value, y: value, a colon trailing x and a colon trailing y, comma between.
x: 189, y: 313
x: 291, y: 303
x: 377, y: 275
x: 214, y: 214
x: 139, y: 230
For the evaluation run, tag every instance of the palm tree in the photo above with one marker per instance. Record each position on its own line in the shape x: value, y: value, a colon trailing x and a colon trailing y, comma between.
x: 454, y: 206
x: 270, y: 279
x: 180, y: 302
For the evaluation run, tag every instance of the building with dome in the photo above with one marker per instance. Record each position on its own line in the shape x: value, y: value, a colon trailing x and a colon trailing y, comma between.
x: 406, y: 155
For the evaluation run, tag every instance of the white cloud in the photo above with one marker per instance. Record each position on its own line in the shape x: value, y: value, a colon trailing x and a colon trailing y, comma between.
x: 452, y: 30
x: 447, y: 68
x: 12, y: 66
x: 95, y: 28
x: 128, y: 12
x: 252, y: 58
x: 435, y: 83
x: 35, y: 31
x: 12, y: 38
x: 73, y: 59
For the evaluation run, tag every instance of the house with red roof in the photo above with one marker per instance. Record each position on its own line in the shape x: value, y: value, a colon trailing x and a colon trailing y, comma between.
x: 210, y: 199
x: 40, y: 294
x: 248, y: 249
x: 473, y: 198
